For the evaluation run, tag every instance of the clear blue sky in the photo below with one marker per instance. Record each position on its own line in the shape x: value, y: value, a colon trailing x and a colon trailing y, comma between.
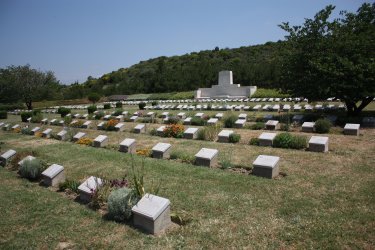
x: 79, y: 38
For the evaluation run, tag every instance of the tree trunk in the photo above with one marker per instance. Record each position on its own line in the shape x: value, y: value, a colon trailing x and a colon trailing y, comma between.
x: 353, y: 110
x: 29, y: 105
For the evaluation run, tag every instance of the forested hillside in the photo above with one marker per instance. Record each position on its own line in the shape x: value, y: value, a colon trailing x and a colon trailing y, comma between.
x: 254, y: 65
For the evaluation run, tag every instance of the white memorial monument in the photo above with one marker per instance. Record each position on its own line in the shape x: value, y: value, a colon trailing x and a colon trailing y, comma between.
x: 225, y: 88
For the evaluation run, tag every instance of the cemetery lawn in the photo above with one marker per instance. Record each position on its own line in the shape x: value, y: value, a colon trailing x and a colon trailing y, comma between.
x: 325, y: 201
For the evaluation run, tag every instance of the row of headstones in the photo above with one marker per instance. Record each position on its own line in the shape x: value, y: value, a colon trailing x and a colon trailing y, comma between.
x: 258, y: 107
x: 151, y: 213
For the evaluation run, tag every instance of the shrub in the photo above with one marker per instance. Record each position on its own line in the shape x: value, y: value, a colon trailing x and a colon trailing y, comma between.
x: 107, y: 106
x: 173, y: 120
x: 93, y: 97
x: 298, y: 142
x: 226, y: 160
x: 322, y: 126
x: 148, y: 120
x: 284, y: 127
x: 72, y: 185
x: 120, y: 203
x: 282, y: 140
x: 208, y: 133
x: 25, y: 116
x: 3, y: 114
x: 67, y: 120
x: 142, y: 105
x: 31, y: 169
x: 286, y: 140
x: 153, y: 131
x: 117, y: 112
x: 37, y: 118
x: 85, y: 141
x: 234, y: 138
x: 154, y: 103
x: 257, y: 126
x: 118, y: 104
x: 91, y: 109
x: 183, y: 156
x: 26, y: 131
x: 77, y: 124
x: 229, y: 120
x: 143, y: 152
x: 254, y: 141
x: 197, y: 121
x: 63, y: 111
x: 99, y: 115
x: 110, y: 125
x: 174, y: 130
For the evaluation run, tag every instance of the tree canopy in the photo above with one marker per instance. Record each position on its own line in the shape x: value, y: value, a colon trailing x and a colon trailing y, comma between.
x: 332, y: 58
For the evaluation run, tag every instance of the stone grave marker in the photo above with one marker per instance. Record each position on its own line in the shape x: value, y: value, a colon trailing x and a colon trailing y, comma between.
x: 308, y: 127
x: 266, y: 166
x: 266, y: 139
x: 100, y: 141
x: 140, y: 128
x: 351, y: 129
x: 100, y: 126
x: 318, y: 144
x: 6, y: 156
x: 27, y: 158
x: 133, y: 118
x: 128, y: 146
x: 240, y: 123
x: 272, y: 125
x: 53, y: 175
x: 161, y: 150
x: 181, y: 115
x: 120, y: 126
x: 62, y: 135
x: 47, y: 133
x: 34, y: 130
x: 160, y: 130
x: 152, y: 214
x: 88, y: 187
x: 212, y: 121
x: 187, y: 121
x: 44, y: 121
x: 206, y: 157
x: 106, y: 117
x: 242, y: 116
x: 87, y: 124
x: 219, y: 116
x: 191, y: 133
x: 78, y: 136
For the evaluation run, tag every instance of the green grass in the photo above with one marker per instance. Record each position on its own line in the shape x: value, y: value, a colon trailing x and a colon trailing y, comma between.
x: 267, y: 93
x: 326, y: 201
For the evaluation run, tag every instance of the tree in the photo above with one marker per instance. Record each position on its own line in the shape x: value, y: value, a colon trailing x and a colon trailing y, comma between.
x: 332, y: 58
x: 30, y: 84
x: 93, y: 97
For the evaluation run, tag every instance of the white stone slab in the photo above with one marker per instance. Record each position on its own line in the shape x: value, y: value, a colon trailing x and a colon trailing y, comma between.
x: 36, y: 129
x: 127, y: 142
x: 352, y: 126
x: 219, y: 115
x: 212, y: 121
x: 47, y: 131
x: 272, y: 123
x: 161, y: 129
x: 161, y: 147
x: 188, y: 119
x: 151, y: 206
x: 62, y: 133
x: 191, y: 131
x: 8, y: 154
x: 101, y: 138
x: 53, y: 170
x: 319, y: 140
x: 79, y: 135
x: 207, y: 153
x: 240, y: 122
x: 139, y: 126
x: 267, y: 136
x: 199, y: 115
x: 242, y: 116
x: 119, y: 125
x: 266, y: 161
x: 87, y: 123
x: 90, y: 185
x: 15, y: 126
x: 225, y: 133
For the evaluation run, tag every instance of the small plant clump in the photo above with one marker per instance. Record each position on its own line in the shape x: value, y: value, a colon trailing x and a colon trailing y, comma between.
x: 142, y: 105
x: 257, y: 126
x: 287, y: 140
x: 143, y: 152
x: 63, y: 111
x: 85, y: 141
x: 229, y: 120
x: 110, y: 125
x: 234, y: 138
x: 91, y: 109
x: 254, y: 142
x: 174, y: 130
x: 120, y: 203
x: 72, y: 185
x: 3, y: 114
x: 25, y: 116
x: 197, y: 121
x: 323, y: 126
x: 31, y: 169
x: 107, y: 106
x: 26, y: 131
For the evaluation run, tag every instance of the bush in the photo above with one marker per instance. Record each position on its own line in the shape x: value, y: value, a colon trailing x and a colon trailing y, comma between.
x: 118, y: 112
x: 229, y: 120
x: 284, y: 127
x: 120, y: 203
x: 37, y: 118
x: 257, y: 126
x: 286, y: 140
x: 154, y: 103
x: 208, y: 133
x: 25, y: 116
x: 69, y: 184
x: 31, y: 169
x: 282, y: 140
x: 173, y: 120
x: 197, y: 121
x: 153, y: 131
x: 298, y: 142
x: 91, y: 109
x: 182, y: 156
x: 234, y: 138
x: 142, y: 105
x: 63, y: 111
x: 322, y: 126
x: 174, y: 130
x: 26, y: 131
x: 93, y: 97
x: 3, y: 114
x: 110, y: 125
x: 254, y: 141
x: 99, y: 115
x: 118, y: 104
x: 107, y: 106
